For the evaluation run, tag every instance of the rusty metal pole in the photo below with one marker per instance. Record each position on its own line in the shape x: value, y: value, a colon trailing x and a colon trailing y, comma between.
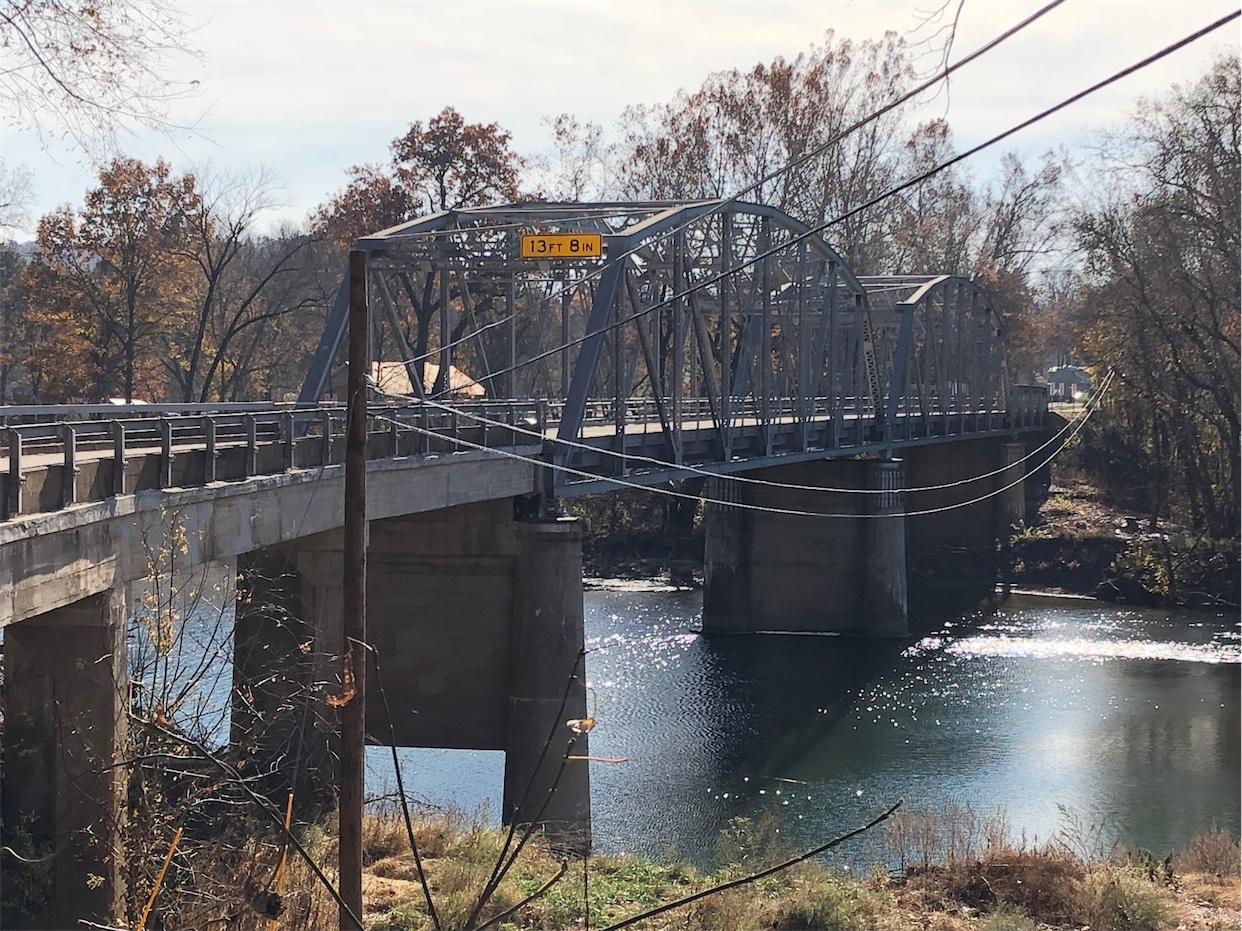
x: 354, y: 615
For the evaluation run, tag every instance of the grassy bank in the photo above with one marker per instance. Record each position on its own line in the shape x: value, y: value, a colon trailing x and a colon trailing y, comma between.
x: 953, y: 871
x: 1082, y: 545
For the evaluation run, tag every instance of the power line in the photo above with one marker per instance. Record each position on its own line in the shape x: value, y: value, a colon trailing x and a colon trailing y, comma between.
x: 918, y: 179
x: 788, y: 512
x: 707, y: 473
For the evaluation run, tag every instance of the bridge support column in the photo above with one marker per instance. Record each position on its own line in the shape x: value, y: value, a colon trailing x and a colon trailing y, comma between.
x: 807, y: 573
x: 726, y: 559
x: 547, y: 685
x: 884, y: 550
x: 1011, y: 501
x: 957, y: 546
x: 65, y: 700
x: 286, y: 663
x: 477, y: 620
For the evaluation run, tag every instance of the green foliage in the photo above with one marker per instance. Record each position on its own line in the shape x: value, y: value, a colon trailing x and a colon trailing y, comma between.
x: 824, y: 902
x: 1201, y: 571
x: 754, y: 842
x: 1009, y: 918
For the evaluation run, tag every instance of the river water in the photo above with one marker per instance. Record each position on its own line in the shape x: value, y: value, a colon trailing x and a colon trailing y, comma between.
x: 1074, y: 715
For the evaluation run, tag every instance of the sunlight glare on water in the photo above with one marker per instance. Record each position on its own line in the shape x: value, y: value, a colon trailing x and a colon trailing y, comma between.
x: 1126, y: 718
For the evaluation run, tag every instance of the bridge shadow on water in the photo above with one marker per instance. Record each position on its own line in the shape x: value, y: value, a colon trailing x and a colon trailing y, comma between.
x: 807, y: 685
x: 719, y: 726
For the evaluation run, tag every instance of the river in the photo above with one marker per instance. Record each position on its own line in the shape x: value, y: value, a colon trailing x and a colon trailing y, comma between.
x: 1106, y: 722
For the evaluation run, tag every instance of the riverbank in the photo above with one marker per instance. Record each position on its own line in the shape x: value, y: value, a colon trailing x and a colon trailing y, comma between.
x: 951, y: 883
x: 1082, y: 545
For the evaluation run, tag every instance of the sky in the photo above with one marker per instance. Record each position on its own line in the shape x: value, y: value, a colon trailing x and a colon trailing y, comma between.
x: 307, y: 88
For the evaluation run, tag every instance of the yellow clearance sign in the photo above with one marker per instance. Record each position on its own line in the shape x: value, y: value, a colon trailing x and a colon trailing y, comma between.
x: 562, y: 245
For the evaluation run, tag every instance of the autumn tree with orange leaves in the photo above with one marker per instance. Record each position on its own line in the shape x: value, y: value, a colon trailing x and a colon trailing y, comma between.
x: 447, y: 164
x: 103, y: 282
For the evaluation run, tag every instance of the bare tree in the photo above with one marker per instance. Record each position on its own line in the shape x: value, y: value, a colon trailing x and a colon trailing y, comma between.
x: 238, y: 289
x: 15, y: 195
x: 1162, y: 306
x: 86, y: 70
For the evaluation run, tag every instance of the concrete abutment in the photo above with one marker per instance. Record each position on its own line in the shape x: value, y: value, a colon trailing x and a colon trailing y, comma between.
x: 65, y: 703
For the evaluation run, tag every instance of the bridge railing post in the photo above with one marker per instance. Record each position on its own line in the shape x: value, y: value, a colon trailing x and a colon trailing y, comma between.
x: 291, y: 441
x: 69, y: 479
x: 424, y: 432
x: 325, y: 454
x: 252, y: 446
x: 394, y: 434
x: 118, y: 458
x: 166, y: 452
x: 13, y: 493
x: 210, y: 453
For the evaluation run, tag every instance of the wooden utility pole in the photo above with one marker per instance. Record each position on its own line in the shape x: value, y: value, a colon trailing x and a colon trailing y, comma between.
x: 354, y: 616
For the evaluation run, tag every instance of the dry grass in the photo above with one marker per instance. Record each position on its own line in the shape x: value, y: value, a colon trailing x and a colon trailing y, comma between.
x: 1213, y: 851
x: 970, y: 878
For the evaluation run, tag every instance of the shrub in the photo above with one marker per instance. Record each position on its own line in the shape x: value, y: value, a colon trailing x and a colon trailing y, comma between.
x: 1122, y: 899
x: 1214, y: 851
x: 1007, y: 918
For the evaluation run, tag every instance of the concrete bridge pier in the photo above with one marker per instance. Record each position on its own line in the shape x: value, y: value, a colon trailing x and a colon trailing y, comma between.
x: 477, y: 620
x: 772, y: 571
x: 973, y: 513
x: 66, y: 696
x: 547, y: 686
x: 286, y: 663
x: 477, y: 624
x: 1011, y: 501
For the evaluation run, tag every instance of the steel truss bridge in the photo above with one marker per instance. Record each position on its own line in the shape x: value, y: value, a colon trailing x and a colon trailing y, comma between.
x: 712, y: 335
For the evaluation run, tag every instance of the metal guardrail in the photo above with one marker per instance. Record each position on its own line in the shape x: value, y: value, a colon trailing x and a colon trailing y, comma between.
x: 263, y: 439
x: 305, y: 439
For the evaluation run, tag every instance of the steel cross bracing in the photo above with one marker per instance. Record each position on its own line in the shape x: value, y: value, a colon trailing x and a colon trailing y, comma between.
x: 710, y: 333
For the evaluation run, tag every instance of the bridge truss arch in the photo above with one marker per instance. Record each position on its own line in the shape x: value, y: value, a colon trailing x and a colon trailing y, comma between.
x: 707, y: 333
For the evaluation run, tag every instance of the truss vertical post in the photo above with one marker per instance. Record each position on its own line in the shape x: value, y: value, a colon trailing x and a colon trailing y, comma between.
x: 679, y: 342
x: 726, y: 334
x: 806, y: 394
x: 511, y: 335
x: 445, y: 377
x: 765, y: 336
x: 897, y: 386
x: 618, y: 390
x: 562, y: 281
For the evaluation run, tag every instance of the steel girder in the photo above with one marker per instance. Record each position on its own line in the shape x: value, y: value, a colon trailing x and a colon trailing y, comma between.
x: 948, y: 360
x: 729, y: 329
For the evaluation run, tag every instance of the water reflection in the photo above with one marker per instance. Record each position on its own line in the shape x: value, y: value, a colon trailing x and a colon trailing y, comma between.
x: 1130, y: 717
